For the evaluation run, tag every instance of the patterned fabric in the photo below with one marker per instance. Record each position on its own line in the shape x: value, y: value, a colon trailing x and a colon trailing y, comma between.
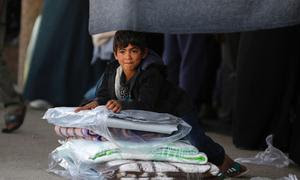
x: 123, y: 134
x: 121, y: 85
x: 158, y: 170
x: 77, y: 133
x: 124, y: 92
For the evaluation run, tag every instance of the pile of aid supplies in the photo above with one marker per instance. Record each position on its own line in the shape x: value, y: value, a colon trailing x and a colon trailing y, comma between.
x: 100, y: 144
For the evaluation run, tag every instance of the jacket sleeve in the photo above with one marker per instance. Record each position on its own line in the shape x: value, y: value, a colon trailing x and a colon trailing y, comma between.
x: 148, y: 90
x: 102, y: 93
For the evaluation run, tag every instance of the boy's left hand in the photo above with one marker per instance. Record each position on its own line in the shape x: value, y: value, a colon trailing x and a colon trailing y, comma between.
x: 114, y: 105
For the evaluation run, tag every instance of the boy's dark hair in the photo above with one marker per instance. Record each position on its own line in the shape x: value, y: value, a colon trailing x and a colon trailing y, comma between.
x: 125, y: 37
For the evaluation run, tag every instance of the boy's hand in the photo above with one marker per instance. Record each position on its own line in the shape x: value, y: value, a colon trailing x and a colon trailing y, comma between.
x: 89, y: 106
x: 114, y: 105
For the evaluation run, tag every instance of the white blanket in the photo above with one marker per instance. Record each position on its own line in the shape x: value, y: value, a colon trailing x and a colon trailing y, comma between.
x: 91, y: 152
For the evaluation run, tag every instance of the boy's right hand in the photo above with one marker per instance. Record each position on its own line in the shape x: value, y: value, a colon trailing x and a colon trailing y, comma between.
x: 89, y: 106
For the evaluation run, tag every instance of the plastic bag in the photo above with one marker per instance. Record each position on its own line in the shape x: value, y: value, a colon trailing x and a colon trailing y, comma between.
x: 82, y: 159
x: 271, y: 156
x: 129, y: 129
x: 289, y: 177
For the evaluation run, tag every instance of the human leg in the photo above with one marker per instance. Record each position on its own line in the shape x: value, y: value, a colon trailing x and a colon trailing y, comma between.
x: 171, y: 57
x: 193, y: 48
x: 15, y: 108
x: 227, y: 76
x: 204, y: 143
x: 60, y: 71
x: 214, y: 151
x: 262, y: 76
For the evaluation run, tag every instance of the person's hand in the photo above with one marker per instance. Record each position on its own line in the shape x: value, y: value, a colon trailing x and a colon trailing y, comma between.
x: 114, y: 105
x: 89, y: 106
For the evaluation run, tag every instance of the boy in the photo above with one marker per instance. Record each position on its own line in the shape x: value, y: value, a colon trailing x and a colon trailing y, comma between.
x: 137, y: 81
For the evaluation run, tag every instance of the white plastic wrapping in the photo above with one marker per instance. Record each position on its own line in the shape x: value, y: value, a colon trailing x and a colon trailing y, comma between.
x: 271, y: 156
x: 129, y: 129
x: 91, y: 152
x: 140, y: 144
x: 82, y: 159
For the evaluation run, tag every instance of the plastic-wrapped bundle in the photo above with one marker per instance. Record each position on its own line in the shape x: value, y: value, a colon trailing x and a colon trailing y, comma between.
x: 91, y: 152
x: 140, y: 144
x: 129, y: 129
x: 91, y: 159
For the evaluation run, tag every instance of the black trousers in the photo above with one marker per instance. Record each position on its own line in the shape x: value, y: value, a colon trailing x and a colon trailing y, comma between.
x: 192, y: 61
x: 7, y: 92
x: 267, y: 89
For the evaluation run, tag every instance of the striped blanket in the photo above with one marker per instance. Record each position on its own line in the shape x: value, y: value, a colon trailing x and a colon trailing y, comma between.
x: 177, y: 160
x: 77, y: 133
x: 136, y: 169
x: 118, y: 134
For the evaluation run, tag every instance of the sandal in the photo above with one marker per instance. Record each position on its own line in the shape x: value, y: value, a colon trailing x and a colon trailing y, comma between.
x: 236, y: 170
x: 14, y: 119
x: 220, y: 176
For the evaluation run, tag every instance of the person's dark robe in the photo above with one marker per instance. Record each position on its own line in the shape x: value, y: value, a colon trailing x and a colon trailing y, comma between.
x: 60, y: 70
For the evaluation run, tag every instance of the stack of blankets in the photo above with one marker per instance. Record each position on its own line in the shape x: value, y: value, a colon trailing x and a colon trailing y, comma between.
x: 96, y: 149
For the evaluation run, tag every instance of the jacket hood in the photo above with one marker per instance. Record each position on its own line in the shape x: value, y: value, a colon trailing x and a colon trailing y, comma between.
x: 151, y: 59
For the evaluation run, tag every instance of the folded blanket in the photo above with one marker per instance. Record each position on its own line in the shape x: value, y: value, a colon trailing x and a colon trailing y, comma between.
x: 83, y: 133
x: 92, y: 152
x: 154, y: 169
x: 103, y: 159
x: 77, y: 133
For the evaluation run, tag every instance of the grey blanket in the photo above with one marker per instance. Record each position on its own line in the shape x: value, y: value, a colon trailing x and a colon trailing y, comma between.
x: 192, y: 16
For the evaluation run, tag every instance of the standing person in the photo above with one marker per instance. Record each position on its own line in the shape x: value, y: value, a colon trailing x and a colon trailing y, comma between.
x: 227, y: 76
x: 191, y: 66
x: 267, y: 90
x: 137, y: 81
x: 60, y: 71
x: 13, y: 103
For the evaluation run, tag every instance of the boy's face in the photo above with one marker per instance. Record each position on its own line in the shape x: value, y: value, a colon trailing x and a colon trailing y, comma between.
x: 130, y: 57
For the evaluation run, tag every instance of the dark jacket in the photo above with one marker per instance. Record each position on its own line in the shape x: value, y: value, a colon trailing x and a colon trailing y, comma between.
x: 149, y: 90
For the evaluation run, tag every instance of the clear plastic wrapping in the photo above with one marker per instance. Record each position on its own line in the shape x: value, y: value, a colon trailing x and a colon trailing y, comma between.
x: 271, y: 156
x: 91, y: 152
x: 94, y: 159
x: 139, y: 144
x: 129, y: 129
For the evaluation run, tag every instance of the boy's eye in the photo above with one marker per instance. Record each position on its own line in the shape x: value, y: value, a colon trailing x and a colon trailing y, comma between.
x: 135, y: 51
x: 122, y: 51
